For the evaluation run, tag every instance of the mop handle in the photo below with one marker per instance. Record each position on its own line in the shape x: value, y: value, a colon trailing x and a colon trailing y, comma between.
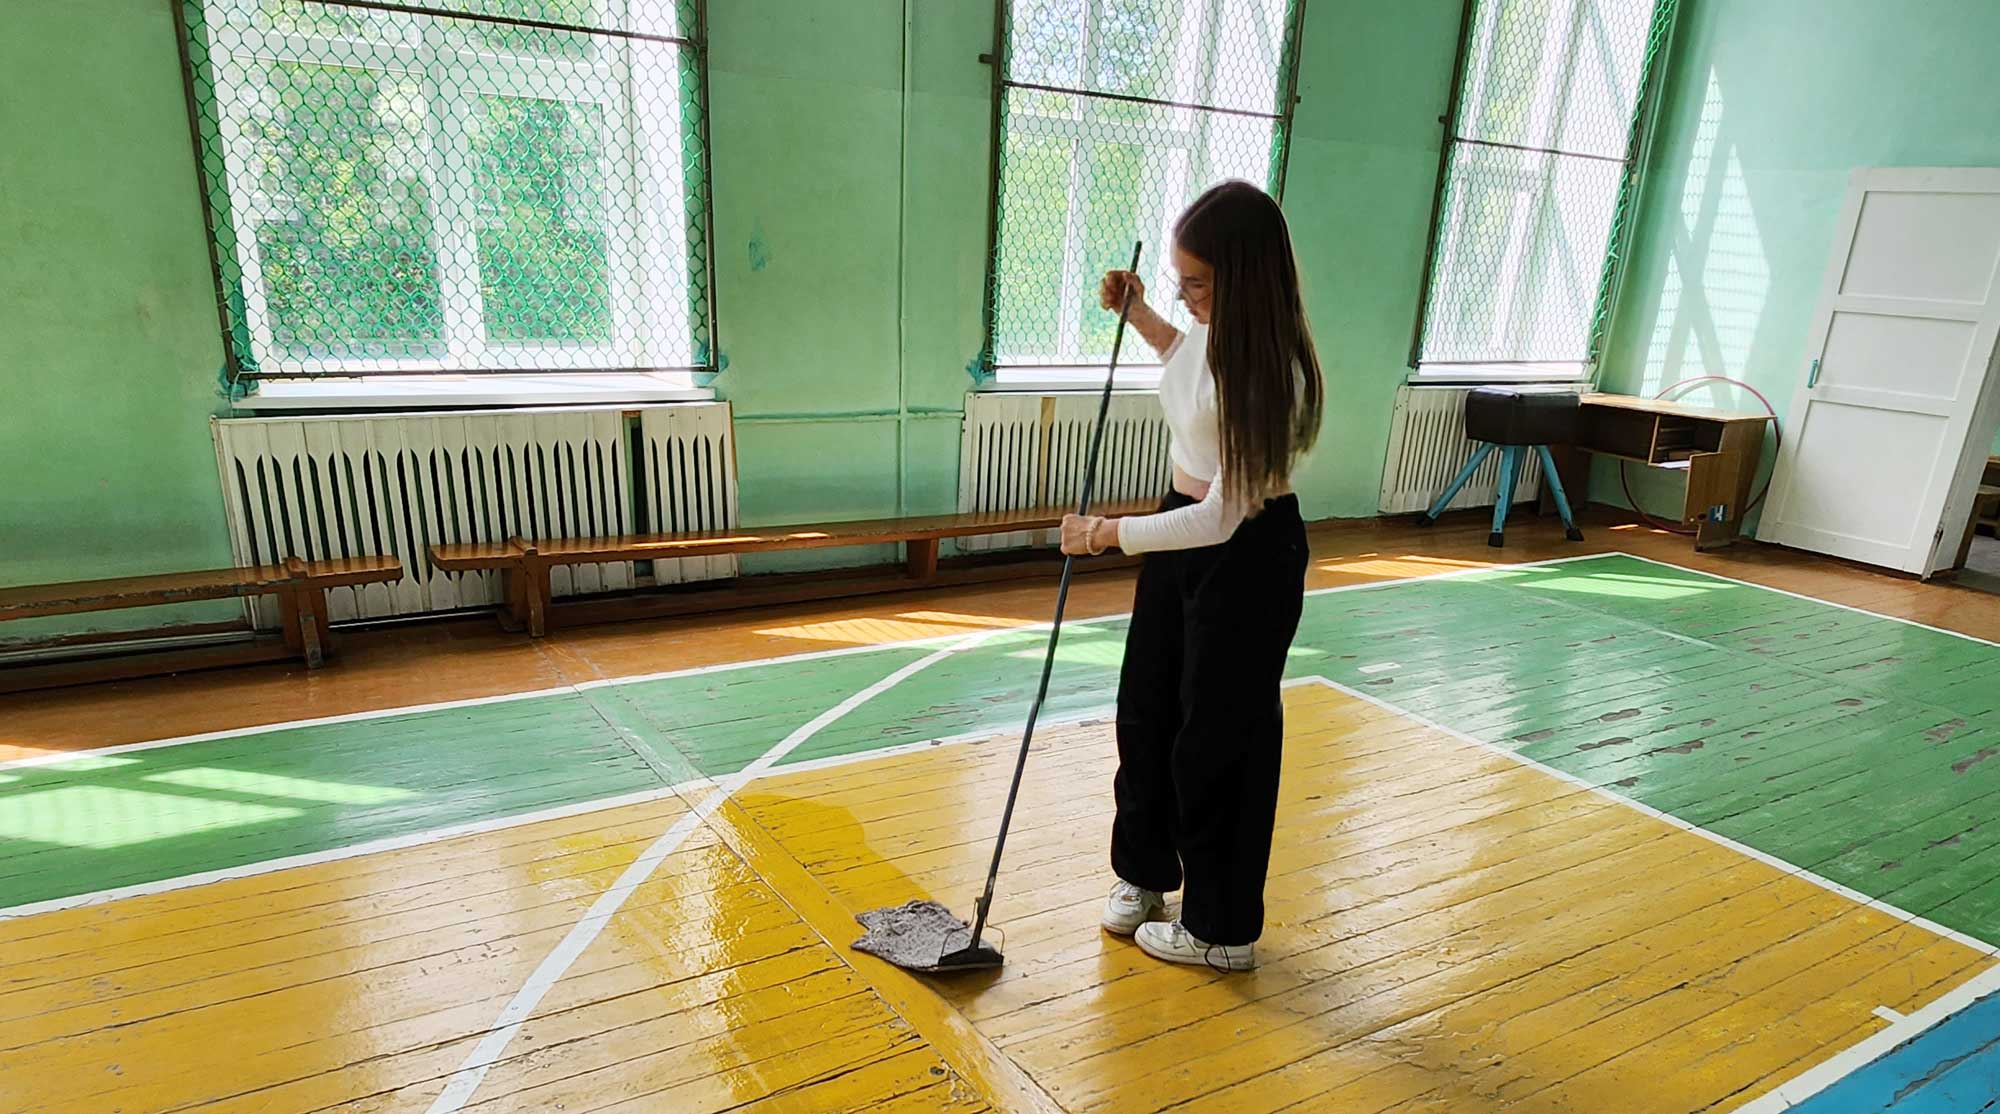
x: 1062, y: 599
x: 1104, y: 403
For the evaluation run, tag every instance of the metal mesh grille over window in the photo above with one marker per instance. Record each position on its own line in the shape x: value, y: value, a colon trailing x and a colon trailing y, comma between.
x: 1114, y: 115
x: 1538, y: 172
x: 461, y: 186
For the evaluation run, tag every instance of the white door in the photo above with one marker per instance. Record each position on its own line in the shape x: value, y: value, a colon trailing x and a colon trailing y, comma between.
x: 1901, y: 350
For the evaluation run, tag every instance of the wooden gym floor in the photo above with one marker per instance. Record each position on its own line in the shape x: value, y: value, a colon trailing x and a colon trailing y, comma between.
x: 1631, y: 831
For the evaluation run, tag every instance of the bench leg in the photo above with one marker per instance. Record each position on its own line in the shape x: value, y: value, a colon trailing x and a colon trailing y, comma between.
x: 513, y: 604
x: 922, y: 559
x: 288, y: 616
x: 315, y: 644
x: 535, y: 593
x: 303, y: 611
x: 526, y: 605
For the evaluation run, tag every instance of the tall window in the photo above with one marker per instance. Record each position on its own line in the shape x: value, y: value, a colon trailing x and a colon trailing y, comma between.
x: 1541, y: 161
x: 454, y: 185
x: 1115, y: 114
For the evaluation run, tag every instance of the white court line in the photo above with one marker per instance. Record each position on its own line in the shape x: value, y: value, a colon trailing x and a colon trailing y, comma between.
x: 335, y: 854
x: 1902, y: 1027
x: 55, y: 757
x: 1845, y: 1062
x: 1094, y: 714
x: 765, y: 769
x: 1832, y: 1070
x: 460, y: 1086
x: 437, y: 835
x: 809, y: 655
x: 1814, y: 599
x: 729, y: 666
x: 752, y: 663
x: 500, y: 823
x: 1772, y: 861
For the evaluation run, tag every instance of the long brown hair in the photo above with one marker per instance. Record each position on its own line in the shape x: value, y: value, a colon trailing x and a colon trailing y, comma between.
x: 1268, y: 388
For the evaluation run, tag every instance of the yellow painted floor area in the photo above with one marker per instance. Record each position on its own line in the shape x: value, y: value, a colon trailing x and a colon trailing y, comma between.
x: 360, y: 985
x: 1450, y: 930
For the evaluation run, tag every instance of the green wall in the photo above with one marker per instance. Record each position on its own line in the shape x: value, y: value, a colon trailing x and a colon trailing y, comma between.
x: 1770, y: 104
x: 1373, y: 80
x: 850, y: 186
x: 848, y: 316
x: 850, y: 147
x: 108, y: 338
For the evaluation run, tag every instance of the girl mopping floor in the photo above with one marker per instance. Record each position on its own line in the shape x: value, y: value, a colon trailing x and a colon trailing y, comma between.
x: 1200, y: 712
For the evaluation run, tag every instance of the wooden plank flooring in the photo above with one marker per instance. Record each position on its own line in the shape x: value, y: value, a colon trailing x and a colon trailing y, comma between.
x: 361, y: 985
x: 1486, y: 892
x: 1450, y: 930
x: 471, y: 658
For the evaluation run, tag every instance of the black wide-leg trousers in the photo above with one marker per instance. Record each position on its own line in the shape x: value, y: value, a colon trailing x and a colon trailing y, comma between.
x: 1201, y: 720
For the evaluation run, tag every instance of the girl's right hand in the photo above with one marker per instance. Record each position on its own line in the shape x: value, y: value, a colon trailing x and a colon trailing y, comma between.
x: 1111, y: 293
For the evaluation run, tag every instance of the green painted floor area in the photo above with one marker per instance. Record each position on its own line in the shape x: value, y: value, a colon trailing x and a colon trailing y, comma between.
x: 101, y: 822
x: 1861, y: 748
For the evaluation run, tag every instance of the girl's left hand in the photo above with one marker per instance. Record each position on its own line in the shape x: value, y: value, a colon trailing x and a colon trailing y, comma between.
x: 1077, y: 533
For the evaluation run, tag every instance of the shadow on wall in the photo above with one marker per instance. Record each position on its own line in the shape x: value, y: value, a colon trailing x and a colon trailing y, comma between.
x: 1714, y: 284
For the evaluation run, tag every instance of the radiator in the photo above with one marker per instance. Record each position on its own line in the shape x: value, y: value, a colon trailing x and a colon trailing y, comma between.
x: 1427, y: 447
x: 1022, y: 451
x: 338, y: 486
x: 687, y: 481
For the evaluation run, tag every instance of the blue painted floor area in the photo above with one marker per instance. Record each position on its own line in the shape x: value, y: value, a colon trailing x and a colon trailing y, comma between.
x: 1954, y: 1066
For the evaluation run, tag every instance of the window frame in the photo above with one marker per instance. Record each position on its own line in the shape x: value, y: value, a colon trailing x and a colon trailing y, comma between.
x: 641, y: 163
x: 1066, y: 368
x: 1441, y: 242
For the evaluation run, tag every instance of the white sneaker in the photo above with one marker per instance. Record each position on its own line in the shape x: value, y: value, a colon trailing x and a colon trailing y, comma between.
x: 1175, y: 944
x: 1128, y: 907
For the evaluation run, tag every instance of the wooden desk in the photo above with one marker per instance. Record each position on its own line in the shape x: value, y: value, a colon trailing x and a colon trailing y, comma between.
x: 1985, y: 512
x: 1992, y: 479
x: 1717, y: 450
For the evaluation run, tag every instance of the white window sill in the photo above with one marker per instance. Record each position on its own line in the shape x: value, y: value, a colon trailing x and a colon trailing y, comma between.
x: 473, y: 391
x: 1045, y: 380
x: 1459, y: 375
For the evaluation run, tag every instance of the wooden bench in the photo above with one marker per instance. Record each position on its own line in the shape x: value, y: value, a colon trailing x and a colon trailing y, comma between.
x: 524, y: 565
x: 300, y: 586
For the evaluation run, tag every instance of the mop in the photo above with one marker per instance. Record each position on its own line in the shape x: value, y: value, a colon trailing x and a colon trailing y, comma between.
x: 924, y: 935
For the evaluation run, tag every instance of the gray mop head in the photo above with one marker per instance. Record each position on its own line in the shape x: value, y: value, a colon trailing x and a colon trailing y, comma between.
x: 922, y: 936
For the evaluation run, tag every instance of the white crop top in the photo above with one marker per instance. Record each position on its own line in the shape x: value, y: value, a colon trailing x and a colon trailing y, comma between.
x: 1187, y: 394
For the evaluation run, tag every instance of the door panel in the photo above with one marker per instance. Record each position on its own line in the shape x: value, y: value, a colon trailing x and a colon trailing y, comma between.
x: 1900, y: 359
